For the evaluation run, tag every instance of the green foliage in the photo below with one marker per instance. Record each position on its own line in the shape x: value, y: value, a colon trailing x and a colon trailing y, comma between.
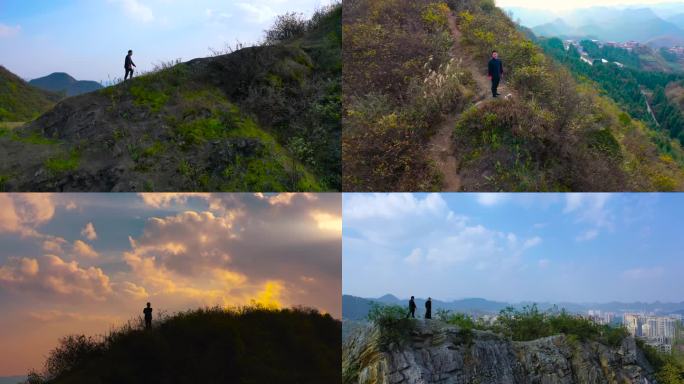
x: 64, y: 163
x: 612, y: 54
x: 147, y: 96
x: 394, y: 325
x: 399, y: 79
x: 668, y: 369
x: 213, y: 345
x: 529, y: 323
x: 21, y: 102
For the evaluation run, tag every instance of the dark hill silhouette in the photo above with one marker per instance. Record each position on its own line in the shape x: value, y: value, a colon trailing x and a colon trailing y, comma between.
x: 19, y: 101
x: 262, y: 118
x: 207, y: 346
x: 63, y: 83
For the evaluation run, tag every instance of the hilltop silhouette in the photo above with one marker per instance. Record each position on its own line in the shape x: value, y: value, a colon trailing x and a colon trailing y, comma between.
x: 64, y: 84
x: 249, y: 345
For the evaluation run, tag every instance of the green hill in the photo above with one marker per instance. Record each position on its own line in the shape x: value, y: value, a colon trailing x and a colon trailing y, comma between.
x: 207, y: 346
x: 19, y: 101
x: 263, y: 118
x: 417, y: 114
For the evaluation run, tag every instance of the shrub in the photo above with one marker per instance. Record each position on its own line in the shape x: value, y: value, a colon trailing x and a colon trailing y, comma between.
x: 286, y: 27
x: 395, y: 327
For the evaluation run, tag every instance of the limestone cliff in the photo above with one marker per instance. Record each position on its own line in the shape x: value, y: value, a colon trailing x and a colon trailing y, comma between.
x: 441, y: 353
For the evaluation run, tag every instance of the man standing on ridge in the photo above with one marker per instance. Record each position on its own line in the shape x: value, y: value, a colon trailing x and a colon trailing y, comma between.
x: 148, y: 316
x: 495, y: 72
x: 428, y: 308
x: 412, y: 309
x: 128, y: 65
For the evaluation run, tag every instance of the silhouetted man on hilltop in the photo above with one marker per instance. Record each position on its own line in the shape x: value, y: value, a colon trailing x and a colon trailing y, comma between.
x: 428, y: 308
x: 412, y: 308
x: 495, y: 72
x: 148, y: 316
x: 128, y: 65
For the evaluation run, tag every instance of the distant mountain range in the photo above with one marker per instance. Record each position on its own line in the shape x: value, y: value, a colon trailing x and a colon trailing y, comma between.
x: 653, y: 25
x: 12, y: 379
x: 356, y: 308
x: 63, y: 83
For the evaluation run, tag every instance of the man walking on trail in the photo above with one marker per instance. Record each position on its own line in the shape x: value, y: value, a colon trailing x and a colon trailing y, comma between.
x: 148, y: 316
x: 495, y: 72
x: 412, y: 309
x: 428, y: 308
x: 128, y: 65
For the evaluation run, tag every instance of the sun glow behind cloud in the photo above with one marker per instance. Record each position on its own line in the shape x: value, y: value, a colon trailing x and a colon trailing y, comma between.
x: 86, y: 264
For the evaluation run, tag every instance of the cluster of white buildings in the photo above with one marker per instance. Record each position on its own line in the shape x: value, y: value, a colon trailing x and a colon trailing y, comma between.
x: 658, y: 331
x: 600, y: 317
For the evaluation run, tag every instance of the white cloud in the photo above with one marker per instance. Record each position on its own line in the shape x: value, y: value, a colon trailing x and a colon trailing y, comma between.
x: 81, y: 249
x: 392, y: 205
x: 532, y: 242
x: 258, y: 13
x: 587, y: 235
x: 643, y: 273
x: 89, y: 232
x: 416, y: 257
x: 8, y: 31
x: 544, y: 263
x: 136, y: 10
x: 490, y: 199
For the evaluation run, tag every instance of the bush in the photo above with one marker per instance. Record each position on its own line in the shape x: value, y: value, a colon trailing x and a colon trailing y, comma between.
x: 395, y: 327
x: 286, y: 27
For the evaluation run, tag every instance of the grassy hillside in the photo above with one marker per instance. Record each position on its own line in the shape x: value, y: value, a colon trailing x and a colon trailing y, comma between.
x: 553, y: 133
x: 20, y: 101
x: 245, y: 346
x: 262, y: 118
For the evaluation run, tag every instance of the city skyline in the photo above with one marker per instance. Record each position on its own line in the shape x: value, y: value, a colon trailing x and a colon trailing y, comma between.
x: 89, y: 39
x: 583, y: 248
x: 83, y: 263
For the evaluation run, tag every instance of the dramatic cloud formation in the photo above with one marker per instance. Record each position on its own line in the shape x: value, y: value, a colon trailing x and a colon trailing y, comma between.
x: 50, y: 274
x: 71, y: 269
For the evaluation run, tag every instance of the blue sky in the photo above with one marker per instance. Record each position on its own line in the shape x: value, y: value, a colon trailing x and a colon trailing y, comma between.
x: 89, y: 38
x: 514, y: 247
x: 81, y: 263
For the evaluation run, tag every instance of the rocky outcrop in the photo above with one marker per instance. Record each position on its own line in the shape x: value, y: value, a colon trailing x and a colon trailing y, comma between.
x: 444, y: 354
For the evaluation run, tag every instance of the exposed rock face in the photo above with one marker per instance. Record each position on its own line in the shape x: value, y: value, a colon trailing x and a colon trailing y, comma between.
x: 444, y: 354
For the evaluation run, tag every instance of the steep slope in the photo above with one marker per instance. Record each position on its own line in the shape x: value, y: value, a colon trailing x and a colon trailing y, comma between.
x: 64, y: 84
x: 263, y: 118
x: 19, y: 101
x: 206, y: 346
x: 414, y: 69
x: 446, y: 354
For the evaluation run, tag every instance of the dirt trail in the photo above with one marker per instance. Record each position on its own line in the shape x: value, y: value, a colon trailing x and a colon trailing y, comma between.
x: 441, y: 146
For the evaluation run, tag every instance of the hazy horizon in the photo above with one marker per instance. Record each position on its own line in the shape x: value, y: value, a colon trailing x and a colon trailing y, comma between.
x: 89, y: 39
x: 581, y: 248
x: 579, y: 4
x: 82, y: 263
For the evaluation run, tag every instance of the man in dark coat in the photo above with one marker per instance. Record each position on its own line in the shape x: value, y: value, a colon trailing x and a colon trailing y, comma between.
x: 412, y: 308
x: 148, y: 316
x: 495, y: 72
x: 428, y: 308
x: 128, y: 65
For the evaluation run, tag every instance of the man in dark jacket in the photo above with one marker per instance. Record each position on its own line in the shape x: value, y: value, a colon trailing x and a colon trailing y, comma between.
x: 128, y: 65
x: 428, y: 308
x: 412, y: 308
x: 495, y: 72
